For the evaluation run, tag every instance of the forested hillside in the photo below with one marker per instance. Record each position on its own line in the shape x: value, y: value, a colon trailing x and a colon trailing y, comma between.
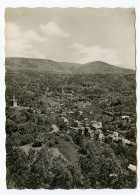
x: 60, y: 128
x: 53, y: 67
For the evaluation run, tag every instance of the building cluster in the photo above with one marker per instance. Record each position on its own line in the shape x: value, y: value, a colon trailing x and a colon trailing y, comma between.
x: 93, y: 129
x: 81, y: 125
x: 114, y: 137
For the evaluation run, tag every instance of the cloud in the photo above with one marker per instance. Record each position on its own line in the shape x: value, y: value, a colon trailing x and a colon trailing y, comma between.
x: 53, y: 29
x: 31, y: 35
x: 20, y: 44
x: 84, y: 54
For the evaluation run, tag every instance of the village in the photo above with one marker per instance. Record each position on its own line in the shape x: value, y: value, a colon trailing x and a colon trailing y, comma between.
x: 73, y: 120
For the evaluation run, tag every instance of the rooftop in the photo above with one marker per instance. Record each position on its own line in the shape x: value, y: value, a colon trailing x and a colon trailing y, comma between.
x: 132, y: 167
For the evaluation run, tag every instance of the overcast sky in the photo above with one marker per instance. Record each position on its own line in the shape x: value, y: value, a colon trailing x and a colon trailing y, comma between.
x: 78, y: 35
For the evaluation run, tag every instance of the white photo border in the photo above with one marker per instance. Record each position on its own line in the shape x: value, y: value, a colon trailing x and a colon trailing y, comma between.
x: 63, y: 4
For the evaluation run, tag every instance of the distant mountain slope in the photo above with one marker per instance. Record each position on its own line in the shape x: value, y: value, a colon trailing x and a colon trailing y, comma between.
x: 40, y: 65
x: 50, y: 66
x: 73, y: 67
x: 99, y: 67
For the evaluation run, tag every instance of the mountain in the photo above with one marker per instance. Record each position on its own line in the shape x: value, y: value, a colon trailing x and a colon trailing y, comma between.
x: 50, y: 66
x: 99, y: 67
x: 39, y: 65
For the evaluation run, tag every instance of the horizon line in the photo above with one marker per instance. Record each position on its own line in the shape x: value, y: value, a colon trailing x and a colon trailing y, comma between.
x: 73, y: 62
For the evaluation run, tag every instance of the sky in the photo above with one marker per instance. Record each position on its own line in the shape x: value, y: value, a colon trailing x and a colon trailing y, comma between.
x: 77, y: 35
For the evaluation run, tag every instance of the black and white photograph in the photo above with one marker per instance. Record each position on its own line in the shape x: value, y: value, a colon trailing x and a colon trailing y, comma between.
x: 70, y: 92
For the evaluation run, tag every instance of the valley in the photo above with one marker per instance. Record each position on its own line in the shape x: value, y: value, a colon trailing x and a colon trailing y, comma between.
x: 69, y: 126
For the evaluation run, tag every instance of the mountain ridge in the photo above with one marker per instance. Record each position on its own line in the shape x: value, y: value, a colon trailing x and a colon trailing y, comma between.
x: 50, y: 66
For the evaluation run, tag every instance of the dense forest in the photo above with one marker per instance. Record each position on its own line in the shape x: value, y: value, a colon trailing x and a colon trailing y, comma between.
x: 43, y: 149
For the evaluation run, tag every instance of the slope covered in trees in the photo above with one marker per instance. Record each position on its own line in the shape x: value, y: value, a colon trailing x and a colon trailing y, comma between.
x: 49, y: 66
x: 39, y: 156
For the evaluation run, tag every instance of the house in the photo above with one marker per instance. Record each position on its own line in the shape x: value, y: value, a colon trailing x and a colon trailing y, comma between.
x: 76, y: 122
x: 113, y: 175
x: 115, y: 134
x: 80, y: 112
x: 87, y: 125
x: 91, y: 135
x: 108, y: 131
x: 64, y: 113
x: 105, y: 99
x: 82, y: 129
x: 125, y: 141
x: 115, y: 139
x: 80, y: 124
x: 96, y: 125
x: 97, y: 133
x: 112, y: 136
x: 47, y: 89
x: 74, y: 129
x: 125, y: 119
x: 80, y: 132
x: 70, y: 112
x: 65, y: 120
x: 52, y: 113
x: 132, y: 168
x: 109, y: 138
x: 101, y: 137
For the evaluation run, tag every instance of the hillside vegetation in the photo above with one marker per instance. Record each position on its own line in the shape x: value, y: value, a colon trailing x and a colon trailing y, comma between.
x: 55, y: 102
x: 53, y: 67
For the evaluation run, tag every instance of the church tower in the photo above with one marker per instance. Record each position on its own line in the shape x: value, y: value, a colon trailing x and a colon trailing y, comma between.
x: 14, y: 102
